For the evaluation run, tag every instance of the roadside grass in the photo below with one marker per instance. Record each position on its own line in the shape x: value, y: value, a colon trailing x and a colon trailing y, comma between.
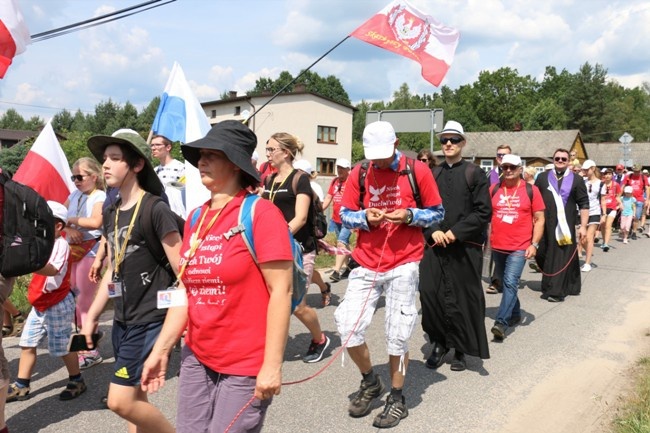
x: 324, y: 260
x: 634, y: 416
x: 19, y: 294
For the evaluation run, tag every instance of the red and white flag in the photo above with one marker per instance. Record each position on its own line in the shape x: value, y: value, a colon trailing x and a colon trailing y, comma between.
x: 14, y: 35
x: 406, y: 31
x: 46, y: 169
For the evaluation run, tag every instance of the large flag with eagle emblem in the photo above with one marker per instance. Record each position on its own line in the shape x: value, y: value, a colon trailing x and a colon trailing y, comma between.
x: 406, y: 31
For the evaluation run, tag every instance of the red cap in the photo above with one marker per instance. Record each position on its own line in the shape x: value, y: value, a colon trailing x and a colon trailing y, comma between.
x: 619, y: 167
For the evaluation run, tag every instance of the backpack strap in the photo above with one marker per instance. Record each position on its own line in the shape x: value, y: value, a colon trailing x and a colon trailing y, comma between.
x: 410, y: 174
x: 245, y: 223
x: 529, y: 190
x: 363, y: 172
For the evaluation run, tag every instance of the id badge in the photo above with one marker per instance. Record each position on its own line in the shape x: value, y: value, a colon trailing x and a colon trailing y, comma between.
x: 115, y: 289
x: 508, y: 219
x: 172, y: 297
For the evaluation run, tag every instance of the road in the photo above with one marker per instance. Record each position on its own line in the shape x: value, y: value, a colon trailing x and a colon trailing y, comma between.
x: 561, y: 370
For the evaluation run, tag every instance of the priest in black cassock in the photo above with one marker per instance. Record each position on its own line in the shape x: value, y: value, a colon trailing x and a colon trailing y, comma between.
x: 565, y: 196
x: 451, y: 291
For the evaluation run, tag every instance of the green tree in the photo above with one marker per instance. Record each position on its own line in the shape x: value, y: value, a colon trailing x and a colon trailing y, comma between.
x: 63, y: 121
x: 12, y: 120
x: 146, y: 116
x: 329, y: 87
x: 545, y: 115
x: 103, y: 120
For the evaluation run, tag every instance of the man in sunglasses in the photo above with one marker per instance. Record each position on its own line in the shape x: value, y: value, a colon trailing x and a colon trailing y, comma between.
x: 562, y: 191
x: 451, y: 290
x: 517, y: 227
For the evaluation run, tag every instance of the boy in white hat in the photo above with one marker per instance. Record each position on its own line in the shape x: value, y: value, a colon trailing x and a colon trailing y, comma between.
x: 53, y: 309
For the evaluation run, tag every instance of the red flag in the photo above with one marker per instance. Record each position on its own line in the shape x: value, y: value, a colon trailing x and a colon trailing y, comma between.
x: 406, y: 31
x: 14, y: 35
x: 46, y: 169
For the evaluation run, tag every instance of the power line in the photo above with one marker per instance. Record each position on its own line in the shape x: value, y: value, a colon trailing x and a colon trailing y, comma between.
x: 47, y: 108
x: 103, y: 19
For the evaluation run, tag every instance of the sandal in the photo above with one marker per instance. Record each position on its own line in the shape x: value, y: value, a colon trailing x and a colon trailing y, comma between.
x: 73, y: 389
x: 7, y: 330
x: 327, y: 295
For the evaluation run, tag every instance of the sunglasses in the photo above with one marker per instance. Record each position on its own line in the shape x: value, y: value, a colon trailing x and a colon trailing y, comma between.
x: 424, y: 159
x: 452, y: 140
x: 560, y: 159
x: 501, y: 155
x: 507, y: 167
x: 78, y: 177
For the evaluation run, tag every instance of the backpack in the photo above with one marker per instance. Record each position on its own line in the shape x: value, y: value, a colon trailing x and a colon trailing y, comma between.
x: 245, y: 226
x: 408, y: 171
x: 529, y: 190
x: 27, y: 229
x: 151, y: 238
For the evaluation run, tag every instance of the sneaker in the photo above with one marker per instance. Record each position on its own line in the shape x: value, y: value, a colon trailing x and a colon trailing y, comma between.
x: 633, y: 236
x: 89, y: 359
x: 605, y: 247
x: 514, y: 320
x: 596, y: 239
x: 346, y: 273
x: 586, y: 267
x: 73, y: 389
x: 499, y: 331
x: 316, y: 350
x: 534, y: 267
x: 360, y: 404
x: 625, y: 241
x: 335, y: 277
x: 393, y: 413
x: 17, y: 393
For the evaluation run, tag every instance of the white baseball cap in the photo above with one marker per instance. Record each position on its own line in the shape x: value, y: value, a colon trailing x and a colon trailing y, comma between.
x: 511, y: 159
x: 342, y: 162
x: 628, y: 189
x: 58, y: 210
x: 588, y: 164
x: 302, y: 164
x: 379, y: 140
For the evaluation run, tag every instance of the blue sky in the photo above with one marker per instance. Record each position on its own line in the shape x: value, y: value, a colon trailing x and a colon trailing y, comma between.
x: 226, y: 45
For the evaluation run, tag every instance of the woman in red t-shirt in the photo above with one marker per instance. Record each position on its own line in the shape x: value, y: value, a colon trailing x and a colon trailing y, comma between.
x: 237, y: 313
x: 610, y: 203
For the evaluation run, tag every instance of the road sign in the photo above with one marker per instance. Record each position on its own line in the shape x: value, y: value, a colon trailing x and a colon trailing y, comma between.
x: 626, y: 138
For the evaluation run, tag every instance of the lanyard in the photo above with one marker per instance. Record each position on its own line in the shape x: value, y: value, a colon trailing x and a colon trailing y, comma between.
x: 271, y: 193
x: 197, y: 238
x: 120, y: 253
x: 514, y: 193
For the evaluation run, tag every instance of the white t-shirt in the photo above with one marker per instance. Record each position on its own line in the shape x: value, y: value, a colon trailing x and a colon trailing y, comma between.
x: 171, y: 172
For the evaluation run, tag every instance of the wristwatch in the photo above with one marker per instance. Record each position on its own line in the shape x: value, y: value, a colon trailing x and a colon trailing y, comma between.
x: 535, y: 244
x: 409, y: 216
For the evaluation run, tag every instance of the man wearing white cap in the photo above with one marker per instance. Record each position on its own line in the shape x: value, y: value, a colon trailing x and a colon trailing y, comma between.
x: 517, y: 227
x: 334, y: 196
x: 451, y: 290
x: 389, y: 249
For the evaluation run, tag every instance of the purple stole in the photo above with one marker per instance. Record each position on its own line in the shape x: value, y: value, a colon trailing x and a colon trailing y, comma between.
x: 494, y: 176
x: 566, y: 184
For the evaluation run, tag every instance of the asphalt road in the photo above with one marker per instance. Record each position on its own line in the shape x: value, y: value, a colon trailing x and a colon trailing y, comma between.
x: 488, y: 397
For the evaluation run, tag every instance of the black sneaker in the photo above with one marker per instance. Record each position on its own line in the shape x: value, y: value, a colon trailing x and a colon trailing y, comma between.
x: 499, y: 331
x: 316, y: 350
x: 346, y: 273
x: 393, y: 413
x: 360, y: 404
x: 335, y: 277
x: 633, y: 236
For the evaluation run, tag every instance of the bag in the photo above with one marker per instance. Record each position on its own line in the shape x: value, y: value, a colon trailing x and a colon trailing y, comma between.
x: 245, y: 226
x: 27, y: 229
x: 408, y: 171
x: 151, y: 238
x: 79, y: 251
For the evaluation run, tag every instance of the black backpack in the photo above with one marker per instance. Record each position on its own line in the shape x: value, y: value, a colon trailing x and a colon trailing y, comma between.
x: 409, y: 171
x: 27, y: 229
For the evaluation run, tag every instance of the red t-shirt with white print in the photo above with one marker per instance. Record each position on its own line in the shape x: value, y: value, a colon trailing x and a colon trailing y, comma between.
x: 512, y: 217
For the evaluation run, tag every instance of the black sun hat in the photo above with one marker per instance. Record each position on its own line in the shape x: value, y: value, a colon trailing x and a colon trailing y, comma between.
x: 147, y: 178
x: 236, y: 140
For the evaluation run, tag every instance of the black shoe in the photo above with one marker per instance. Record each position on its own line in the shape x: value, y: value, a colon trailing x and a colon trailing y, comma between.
x: 316, y: 351
x: 633, y: 237
x: 437, y: 356
x: 554, y: 299
x: 394, y: 411
x: 335, y: 277
x: 346, y: 273
x: 534, y: 267
x: 360, y: 404
x: 514, y: 320
x: 458, y: 363
x: 499, y: 331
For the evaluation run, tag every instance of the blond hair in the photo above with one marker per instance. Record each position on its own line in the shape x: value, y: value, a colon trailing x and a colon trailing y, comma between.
x: 289, y: 142
x: 91, y: 166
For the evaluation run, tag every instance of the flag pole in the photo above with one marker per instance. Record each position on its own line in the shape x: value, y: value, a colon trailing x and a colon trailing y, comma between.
x: 295, y: 79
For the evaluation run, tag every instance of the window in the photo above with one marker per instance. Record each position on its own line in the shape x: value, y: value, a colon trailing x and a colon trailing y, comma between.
x: 326, y: 166
x: 237, y: 110
x: 213, y: 114
x: 326, y: 134
x: 487, y: 165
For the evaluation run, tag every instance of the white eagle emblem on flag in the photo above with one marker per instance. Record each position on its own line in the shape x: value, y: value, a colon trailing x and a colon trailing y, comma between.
x: 408, y: 28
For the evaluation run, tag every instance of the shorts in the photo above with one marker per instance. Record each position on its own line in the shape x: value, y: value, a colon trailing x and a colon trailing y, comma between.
x: 593, y: 219
x: 400, y: 286
x: 131, y: 346
x: 639, y: 210
x: 6, y: 286
x: 611, y: 213
x: 209, y: 401
x: 308, y: 261
x: 626, y: 222
x: 54, y: 323
x: 342, y: 233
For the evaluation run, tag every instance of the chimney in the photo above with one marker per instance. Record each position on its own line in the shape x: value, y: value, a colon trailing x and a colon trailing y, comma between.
x: 232, y: 94
x: 300, y: 88
x: 517, y: 127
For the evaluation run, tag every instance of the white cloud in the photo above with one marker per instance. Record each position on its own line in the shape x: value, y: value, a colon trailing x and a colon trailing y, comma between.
x: 27, y: 94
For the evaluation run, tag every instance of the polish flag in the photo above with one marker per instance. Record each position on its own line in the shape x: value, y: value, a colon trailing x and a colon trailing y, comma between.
x: 14, y: 35
x: 46, y: 169
x: 406, y: 31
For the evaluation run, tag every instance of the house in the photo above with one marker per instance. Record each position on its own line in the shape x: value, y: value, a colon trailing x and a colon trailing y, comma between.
x: 9, y: 137
x: 322, y: 124
x: 610, y: 154
x: 535, y: 148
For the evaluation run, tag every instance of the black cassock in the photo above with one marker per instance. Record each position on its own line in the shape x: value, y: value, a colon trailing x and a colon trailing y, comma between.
x: 451, y: 291
x: 559, y: 263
